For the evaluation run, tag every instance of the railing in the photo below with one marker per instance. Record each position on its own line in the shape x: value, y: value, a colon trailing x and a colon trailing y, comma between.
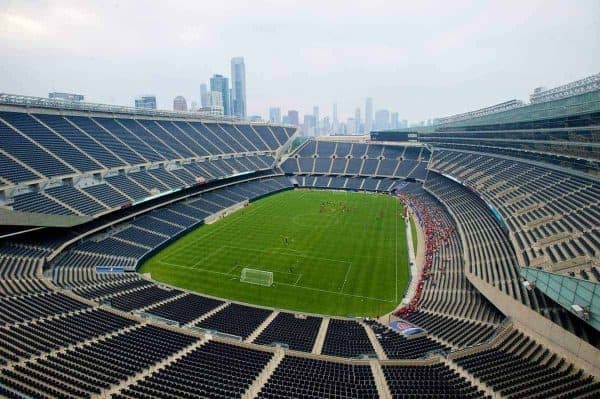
x: 216, y: 333
x: 434, y: 353
x: 154, y: 317
x: 507, y: 322
x: 41, y: 102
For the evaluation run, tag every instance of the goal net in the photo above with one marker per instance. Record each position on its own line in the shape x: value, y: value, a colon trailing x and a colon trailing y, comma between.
x: 258, y: 277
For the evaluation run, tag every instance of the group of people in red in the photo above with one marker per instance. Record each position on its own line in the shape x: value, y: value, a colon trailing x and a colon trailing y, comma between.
x: 437, y: 234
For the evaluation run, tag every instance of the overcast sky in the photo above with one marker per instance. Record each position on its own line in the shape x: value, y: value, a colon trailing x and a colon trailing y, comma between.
x: 419, y: 58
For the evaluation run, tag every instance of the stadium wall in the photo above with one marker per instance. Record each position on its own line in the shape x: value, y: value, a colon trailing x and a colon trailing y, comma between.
x: 568, y: 345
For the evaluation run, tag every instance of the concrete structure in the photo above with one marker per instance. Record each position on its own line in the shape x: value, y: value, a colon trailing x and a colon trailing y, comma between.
x: 179, y: 104
x: 541, y: 94
x: 215, y: 110
x: 66, y: 96
x: 215, y: 99
x: 357, y: 123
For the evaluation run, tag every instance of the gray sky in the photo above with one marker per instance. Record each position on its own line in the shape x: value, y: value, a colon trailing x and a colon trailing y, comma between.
x: 419, y: 58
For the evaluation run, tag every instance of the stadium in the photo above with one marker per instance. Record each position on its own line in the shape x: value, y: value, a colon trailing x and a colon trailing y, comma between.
x: 158, y: 254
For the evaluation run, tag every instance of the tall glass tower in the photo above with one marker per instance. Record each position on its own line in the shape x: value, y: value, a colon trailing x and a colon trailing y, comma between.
x: 221, y: 84
x: 238, y: 86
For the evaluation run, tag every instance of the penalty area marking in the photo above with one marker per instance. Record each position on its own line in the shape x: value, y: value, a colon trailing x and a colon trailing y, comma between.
x: 286, y: 284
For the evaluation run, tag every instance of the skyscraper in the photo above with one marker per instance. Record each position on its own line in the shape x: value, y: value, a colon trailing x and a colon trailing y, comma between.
x: 357, y: 129
x: 179, y: 104
x: 350, y: 126
x: 275, y: 115
x: 382, y: 119
x: 204, y: 101
x: 309, y: 125
x: 395, y: 122
x: 368, y: 115
x: 221, y: 84
x: 316, y: 116
x: 293, y: 117
x: 334, y: 121
x: 326, y: 126
x: 238, y: 86
x: 146, y: 101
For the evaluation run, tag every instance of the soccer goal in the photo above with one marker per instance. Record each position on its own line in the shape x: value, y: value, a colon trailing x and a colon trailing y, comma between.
x: 258, y: 277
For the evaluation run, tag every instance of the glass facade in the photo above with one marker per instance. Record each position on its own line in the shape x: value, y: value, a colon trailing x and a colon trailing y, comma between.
x: 238, y: 86
x: 221, y: 84
x: 567, y: 291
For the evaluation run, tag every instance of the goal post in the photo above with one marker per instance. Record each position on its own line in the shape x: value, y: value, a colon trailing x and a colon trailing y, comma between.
x: 255, y: 276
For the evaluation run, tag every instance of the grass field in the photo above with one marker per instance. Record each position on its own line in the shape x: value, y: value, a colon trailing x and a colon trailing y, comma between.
x: 413, y: 234
x: 345, y: 254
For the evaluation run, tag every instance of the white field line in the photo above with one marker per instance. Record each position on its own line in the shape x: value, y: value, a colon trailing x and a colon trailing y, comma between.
x: 286, y: 284
x: 183, y: 249
x: 232, y: 269
x: 229, y: 272
x: 279, y: 251
x: 208, y: 256
x: 337, y: 293
x: 346, y: 276
x: 284, y: 251
x: 218, y: 229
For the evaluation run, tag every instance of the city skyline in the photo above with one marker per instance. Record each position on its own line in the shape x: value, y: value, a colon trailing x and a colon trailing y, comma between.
x: 424, y: 60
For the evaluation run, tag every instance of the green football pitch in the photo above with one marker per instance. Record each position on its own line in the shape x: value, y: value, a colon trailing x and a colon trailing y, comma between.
x: 330, y: 252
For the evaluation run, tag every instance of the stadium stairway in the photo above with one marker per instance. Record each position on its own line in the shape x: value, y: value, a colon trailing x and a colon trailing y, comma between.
x: 374, y: 341
x: 264, y: 375
x: 471, y: 378
x: 320, y: 340
x: 382, y: 386
x: 504, y: 331
x: 145, y: 373
x: 155, y: 304
x: 119, y: 293
x: 207, y: 315
x: 261, y: 328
